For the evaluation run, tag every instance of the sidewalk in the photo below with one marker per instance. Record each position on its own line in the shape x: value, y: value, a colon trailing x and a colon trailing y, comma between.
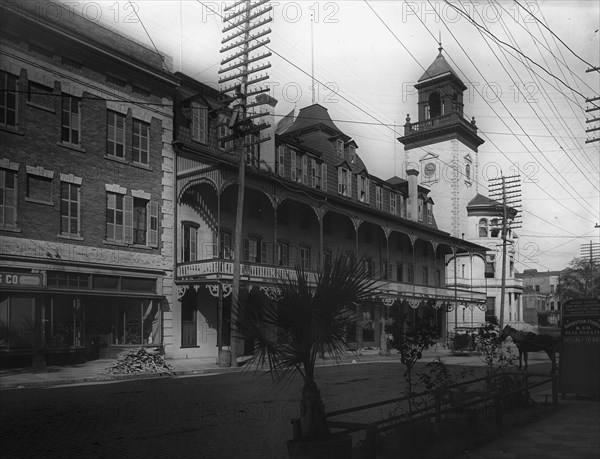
x: 89, y: 372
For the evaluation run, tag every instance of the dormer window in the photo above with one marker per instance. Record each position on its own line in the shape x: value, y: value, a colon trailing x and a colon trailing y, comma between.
x: 340, y: 147
x: 420, y: 208
x: 352, y: 153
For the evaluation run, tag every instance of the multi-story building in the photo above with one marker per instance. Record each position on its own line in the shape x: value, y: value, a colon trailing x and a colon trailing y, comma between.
x: 86, y: 163
x: 308, y: 198
x: 443, y: 146
x: 541, y: 303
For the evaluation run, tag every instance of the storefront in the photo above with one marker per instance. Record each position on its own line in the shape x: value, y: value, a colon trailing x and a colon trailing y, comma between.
x: 88, y: 314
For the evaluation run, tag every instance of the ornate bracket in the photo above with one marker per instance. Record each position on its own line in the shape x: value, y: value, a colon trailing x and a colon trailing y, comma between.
x: 271, y: 292
x: 213, y: 289
x: 181, y: 289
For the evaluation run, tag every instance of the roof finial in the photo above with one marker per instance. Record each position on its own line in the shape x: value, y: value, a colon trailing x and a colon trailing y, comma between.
x: 440, y: 43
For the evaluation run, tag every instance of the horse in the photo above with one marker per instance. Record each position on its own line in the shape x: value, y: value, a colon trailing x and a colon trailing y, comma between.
x: 531, y: 342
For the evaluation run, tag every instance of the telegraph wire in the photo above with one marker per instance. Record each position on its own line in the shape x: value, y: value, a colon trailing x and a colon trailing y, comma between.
x: 492, y: 108
x: 536, y: 113
x: 554, y: 35
x: 470, y: 19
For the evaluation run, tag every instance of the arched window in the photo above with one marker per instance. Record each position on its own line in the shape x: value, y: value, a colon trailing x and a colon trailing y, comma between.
x: 483, y: 228
x: 495, y: 228
x: 468, y: 171
x: 435, y: 105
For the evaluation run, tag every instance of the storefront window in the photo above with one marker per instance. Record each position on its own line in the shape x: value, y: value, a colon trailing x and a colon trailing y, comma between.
x: 137, y: 322
x: 17, y: 322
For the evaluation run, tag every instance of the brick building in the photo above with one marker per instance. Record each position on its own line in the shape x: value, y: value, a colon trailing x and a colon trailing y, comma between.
x: 309, y: 197
x: 86, y: 211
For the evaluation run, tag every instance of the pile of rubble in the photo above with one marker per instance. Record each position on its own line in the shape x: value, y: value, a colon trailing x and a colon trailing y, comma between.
x: 140, y: 361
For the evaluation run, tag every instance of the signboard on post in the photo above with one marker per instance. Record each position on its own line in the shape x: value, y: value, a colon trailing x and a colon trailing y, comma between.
x: 580, y: 347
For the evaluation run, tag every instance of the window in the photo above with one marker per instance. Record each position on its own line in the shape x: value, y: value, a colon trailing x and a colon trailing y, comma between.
x: 399, y: 272
x: 344, y: 182
x: 8, y: 99
x: 40, y: 95
x: 495, y: 228
x: 438, y: 278
x: 468, y: 171
x: 403, y: 205
x: 225, y: 248
x: 316, y: 173
x: 224, y: 132
x: 115, y: 134
x: 140, y: 221
x: 70, y: 203
x: 190, y: 242
x: 379, y: 197
x: 551, y: 288
x: 411, y: 274
x: 199, y: 123
x: 141, y: 142
x: 490, y: 266
x: 420, y: 209
x: 255, y: 250
x: 340, y: 147
x: 70, y: 120
x: 434, y: 108
x: 281, y: 160
x: 323, y: 176
x: 386, y: 269
x: 39, y: 188
x: 8, y: 198
x: 393, y: 203
x: 537, y: 288
x: 327, y: 257
x: 114, y: 217
x: 483, y: 228
x: 352, y: 153
x: 430, y: 213
x: 425, y: 275
x: 301, y: 166
x: 283, y: 253
x: 252, y: 250
x: 305, y: 257
x: 363, y: 189
x: 293, y: 165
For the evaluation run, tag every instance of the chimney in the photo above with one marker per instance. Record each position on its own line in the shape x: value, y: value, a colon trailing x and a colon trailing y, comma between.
x: 412, y: 204
x: 267, y: 149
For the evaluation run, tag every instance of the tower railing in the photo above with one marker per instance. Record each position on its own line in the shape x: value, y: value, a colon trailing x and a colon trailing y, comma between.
x: 438, y: 121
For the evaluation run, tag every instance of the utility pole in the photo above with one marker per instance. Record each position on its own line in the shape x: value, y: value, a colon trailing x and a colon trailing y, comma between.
x: 237, y: 87
x: 506, y: 190
x: 595, y: 106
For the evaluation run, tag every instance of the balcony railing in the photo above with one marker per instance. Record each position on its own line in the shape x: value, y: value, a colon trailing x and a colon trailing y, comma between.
x: 267, y: 274
x: 438, y: 121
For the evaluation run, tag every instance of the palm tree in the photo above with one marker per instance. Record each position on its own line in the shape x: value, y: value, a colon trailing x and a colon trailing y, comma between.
x: 301, y: 323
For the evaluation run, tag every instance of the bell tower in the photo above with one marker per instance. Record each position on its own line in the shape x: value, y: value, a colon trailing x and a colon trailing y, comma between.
x: 442, y: 145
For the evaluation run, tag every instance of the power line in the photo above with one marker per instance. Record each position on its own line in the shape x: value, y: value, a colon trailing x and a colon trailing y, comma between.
x: 492, y: 108
x: 553, y: 34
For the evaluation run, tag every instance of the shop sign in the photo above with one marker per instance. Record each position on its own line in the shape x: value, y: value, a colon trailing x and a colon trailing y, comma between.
x: 20, y: 280
x: 579, y: 364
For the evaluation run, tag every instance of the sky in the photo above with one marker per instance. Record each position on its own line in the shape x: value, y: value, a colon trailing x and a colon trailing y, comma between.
x: 529, y: 107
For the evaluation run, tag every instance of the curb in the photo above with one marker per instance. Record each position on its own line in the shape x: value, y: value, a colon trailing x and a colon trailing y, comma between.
x: 354, y: 360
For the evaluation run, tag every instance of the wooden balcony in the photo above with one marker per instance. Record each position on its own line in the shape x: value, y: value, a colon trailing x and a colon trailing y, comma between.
x: 220, y: 269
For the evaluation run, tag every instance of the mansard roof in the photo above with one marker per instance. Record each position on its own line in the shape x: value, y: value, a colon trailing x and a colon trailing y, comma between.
x: 314, y: 130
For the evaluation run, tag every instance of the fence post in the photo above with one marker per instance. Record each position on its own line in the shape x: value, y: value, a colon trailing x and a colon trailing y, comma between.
x: 498, y: 409
x: 554, y: 389
x: 371, y: 441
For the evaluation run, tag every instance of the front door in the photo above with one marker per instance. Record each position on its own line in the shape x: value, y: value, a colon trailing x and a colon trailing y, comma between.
x: 188, y: 320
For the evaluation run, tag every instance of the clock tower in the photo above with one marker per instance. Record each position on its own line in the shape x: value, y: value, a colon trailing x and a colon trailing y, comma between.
x: 442, y: 145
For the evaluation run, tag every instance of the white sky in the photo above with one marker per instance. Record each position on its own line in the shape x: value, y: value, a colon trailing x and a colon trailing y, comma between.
x: 355, y: 53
